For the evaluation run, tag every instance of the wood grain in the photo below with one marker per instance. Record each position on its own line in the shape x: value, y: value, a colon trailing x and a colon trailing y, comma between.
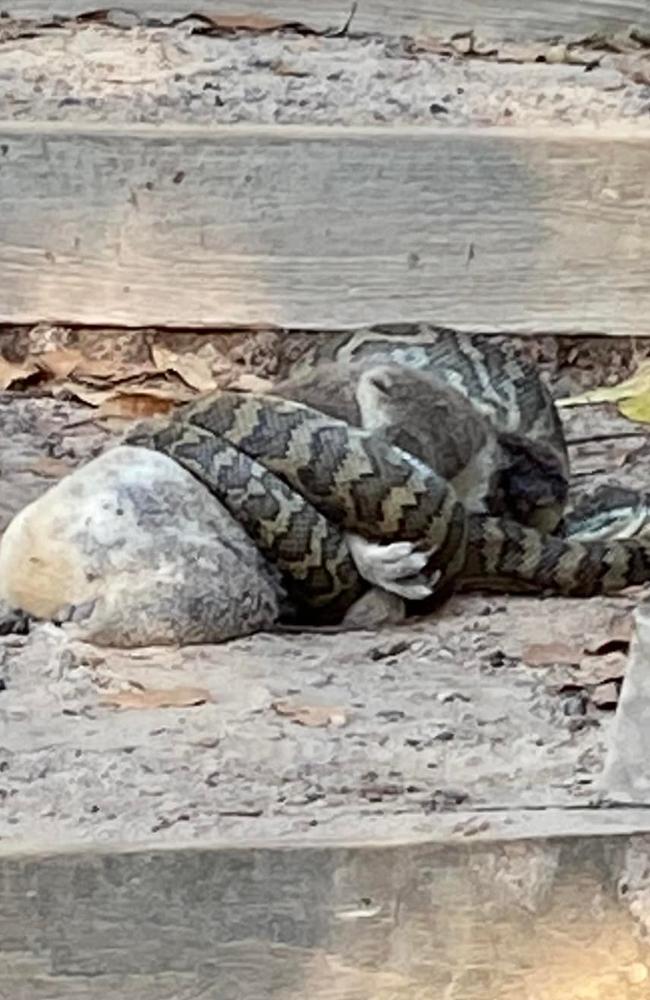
x: 188, y: 227
x: 498, y: 18
x: 494, y: 920
x: 625, y: 776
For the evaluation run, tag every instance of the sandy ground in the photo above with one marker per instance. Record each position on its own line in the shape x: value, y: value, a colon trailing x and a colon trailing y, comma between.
x: 144, y: 74
x: 439, y: 726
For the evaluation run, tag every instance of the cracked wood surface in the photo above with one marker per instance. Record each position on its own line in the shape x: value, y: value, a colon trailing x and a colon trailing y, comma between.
x: 324, y: 228
x: 496, y: 18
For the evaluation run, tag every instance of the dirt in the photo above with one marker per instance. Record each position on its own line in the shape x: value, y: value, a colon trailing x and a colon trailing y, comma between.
x: 439, y: 725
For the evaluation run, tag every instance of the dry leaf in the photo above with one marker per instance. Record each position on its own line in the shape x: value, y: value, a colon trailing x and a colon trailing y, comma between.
x: 178, y: 697
x: 91, y: 395
x: 62, y: 363
x: 600, y: 657
x: 58, y: 364
x: 192, y: 368
x: 601, y: 669
x: 311, y: 715
x: 615, y: 638
x: 169, y: 390
x: 12, y: 372
x: 283, y: 69
x: 52, y: 468
x: 636, y: 407
x: 605, y: 696
x: 248, y: 22
x: 546, y: 654
x: 130, y: 406
x: 429, y: 43
x: 247, y: 382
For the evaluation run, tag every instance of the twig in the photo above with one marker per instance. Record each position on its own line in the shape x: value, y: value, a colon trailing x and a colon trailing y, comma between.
x: 342, y: 32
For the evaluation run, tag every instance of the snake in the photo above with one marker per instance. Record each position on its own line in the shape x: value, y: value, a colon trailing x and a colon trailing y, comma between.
x: 302, y: 469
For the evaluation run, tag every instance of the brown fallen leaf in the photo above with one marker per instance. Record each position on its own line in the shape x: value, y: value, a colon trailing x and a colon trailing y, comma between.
x: 247, y: 382
x: 615, y: 638
x: 67, y: 370
x: 178, y: 697
x: 50, y: 468
x: 130, y: 406
x: 546, y: 654
x: 601, y: 669
x: 247, y: 22
x: 605, y: 696
x: 63, y: 362
x: 430, y: 43
x: 281, y: 68
x: 191, y: 368
x: 12, y: 372
x: 597, y: 681
x: 95, y: 393
x: 311, y: 715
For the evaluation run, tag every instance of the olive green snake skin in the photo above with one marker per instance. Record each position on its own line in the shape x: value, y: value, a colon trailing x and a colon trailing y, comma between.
x: 298, y: 478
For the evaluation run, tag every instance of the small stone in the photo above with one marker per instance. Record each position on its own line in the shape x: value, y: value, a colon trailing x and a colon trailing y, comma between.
x: 444, y: 799
x: 377, y: 793
x: 499, y: 659
x: 575, y: 705
x: 445, y: 735
x: 576, y: 724
x: 172, y: 567
x: 393, y: 650
x: 556, y: 54
x: 637, y: 973
x: 391, y: 715
x: 444, y: 697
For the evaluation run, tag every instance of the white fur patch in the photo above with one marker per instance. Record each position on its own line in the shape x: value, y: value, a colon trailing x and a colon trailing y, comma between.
x: 391, y: 567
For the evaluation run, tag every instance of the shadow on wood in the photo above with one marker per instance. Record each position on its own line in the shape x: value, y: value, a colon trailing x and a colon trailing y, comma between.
x: 549, y: 918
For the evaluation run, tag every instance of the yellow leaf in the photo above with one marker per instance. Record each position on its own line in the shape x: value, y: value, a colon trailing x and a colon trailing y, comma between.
x: 636, y: 385
x: 637, y: 407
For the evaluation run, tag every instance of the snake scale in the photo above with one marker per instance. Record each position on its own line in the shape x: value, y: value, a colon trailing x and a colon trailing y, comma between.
x: 475, y: 473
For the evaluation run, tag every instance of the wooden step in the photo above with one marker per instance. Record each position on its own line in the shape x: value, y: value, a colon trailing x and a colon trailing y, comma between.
x: 499, y: 196
x: 496, y: 18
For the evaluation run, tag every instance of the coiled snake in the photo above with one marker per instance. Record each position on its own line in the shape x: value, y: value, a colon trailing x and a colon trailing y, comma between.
x: 399, y: 434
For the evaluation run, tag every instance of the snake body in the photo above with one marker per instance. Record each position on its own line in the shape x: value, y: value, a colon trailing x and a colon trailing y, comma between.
x: 298, y: 480
x: 298, y: 471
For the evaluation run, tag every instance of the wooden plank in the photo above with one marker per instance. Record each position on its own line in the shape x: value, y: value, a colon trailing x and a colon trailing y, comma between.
x: 324, y: 227
x: 626, y: 778
x: 497, y: 18
x: 467, y: 919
